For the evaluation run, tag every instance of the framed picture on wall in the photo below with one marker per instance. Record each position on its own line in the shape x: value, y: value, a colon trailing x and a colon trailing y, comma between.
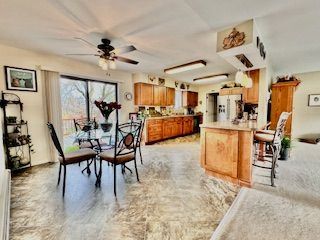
x: 20, y: 79
x: 314, y: 100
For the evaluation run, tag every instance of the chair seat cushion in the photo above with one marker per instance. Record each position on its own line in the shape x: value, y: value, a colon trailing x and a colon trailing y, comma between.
x: 78, y: 156
x: 262, y: 137
x: 272, y: 132
x: 109, y: 156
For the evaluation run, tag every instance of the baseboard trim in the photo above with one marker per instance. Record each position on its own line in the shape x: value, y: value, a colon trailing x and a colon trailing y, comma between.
x: 229, y: 215
x: 5, y: 192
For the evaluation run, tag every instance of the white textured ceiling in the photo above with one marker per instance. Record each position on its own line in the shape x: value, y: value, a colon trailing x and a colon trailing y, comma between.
x: 165, y: 32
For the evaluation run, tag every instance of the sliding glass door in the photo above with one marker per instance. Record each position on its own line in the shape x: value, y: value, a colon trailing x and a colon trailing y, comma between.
x: 77, y: 102
x: 101, y: 91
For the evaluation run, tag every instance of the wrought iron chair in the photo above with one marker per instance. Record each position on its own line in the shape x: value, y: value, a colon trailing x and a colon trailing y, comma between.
x: 273, y: 141
x: 80, y: 155
x: 142, y: 122
x: 124, y: 150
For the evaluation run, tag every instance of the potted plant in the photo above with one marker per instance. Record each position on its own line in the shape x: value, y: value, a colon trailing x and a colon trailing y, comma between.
x: 106, y: 109
x: 285, y: 148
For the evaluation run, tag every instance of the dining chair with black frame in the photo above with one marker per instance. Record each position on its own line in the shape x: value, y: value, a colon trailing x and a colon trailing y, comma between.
x: 124, y: 150
x: 65, y: 159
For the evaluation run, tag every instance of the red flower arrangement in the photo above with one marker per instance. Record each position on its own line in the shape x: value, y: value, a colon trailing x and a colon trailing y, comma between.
x: 107, y: 108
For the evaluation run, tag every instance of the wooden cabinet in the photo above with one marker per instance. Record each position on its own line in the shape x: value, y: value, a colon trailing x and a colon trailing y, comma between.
x: 220, y: 144
x: 169, y: 127
x: 231, y: 91
x: 189, y: 99
x: 143, y: 94
x: 227, y: 154
x: 154, y: 130
x: 170, y: 96
x: 187, y: 125
x: 282, y: 101
x: 153, y: 95
x: 178, y: 126
x: 159, y: 96
x: 251, y: 95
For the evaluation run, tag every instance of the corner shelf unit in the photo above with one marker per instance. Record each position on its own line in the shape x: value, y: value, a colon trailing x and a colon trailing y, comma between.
x: 16, y: 139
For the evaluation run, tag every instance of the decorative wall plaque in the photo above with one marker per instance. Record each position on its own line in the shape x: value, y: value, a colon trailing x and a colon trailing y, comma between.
x: 234, y: 39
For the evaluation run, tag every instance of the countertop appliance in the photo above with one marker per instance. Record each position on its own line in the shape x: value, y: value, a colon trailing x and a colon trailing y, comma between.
x: 227, y: 107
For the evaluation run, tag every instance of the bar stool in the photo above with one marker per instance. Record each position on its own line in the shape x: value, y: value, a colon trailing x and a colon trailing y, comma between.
x: 273, y: 142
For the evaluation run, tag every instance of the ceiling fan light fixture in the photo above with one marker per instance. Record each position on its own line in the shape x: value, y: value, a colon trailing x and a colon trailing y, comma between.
x: 186, y: 67
x: 112, y: 64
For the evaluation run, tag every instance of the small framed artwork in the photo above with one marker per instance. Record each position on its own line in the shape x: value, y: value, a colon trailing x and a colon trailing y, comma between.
x: 20, y: 79
x: 314, y: 100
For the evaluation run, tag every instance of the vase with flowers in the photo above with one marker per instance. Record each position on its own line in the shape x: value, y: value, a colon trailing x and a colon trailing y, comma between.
x: 106, y: 109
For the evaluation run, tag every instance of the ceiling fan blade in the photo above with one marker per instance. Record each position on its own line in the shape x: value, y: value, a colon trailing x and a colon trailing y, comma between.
x: 89, y: 44
x: 124, y: 49
x: 81, y: 54
x: 126, y: 60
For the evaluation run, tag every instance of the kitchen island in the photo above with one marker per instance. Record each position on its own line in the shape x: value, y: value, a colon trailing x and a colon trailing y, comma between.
x: 227, y: 151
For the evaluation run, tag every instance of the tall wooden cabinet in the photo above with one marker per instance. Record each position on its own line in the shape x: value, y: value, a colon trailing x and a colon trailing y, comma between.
x: 282, y: 101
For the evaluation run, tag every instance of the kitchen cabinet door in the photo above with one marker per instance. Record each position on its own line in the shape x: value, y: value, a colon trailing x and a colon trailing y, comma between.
x: 163, y: 96
x: 143, y: 94
x: 190, y: 99
x: 251, y: 95
x: 187, y: 125
x: 156, y: 96
x: 170, y: 96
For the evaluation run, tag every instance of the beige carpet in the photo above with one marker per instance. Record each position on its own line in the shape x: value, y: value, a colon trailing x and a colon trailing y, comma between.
x: 291, y: 210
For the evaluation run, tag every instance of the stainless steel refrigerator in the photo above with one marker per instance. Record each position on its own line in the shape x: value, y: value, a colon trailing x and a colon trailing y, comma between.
x: 227, y: 108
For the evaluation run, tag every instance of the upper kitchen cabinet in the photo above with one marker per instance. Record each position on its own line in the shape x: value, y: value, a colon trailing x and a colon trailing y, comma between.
x: 190, y: 99
x: 159, y: 95
x: 143, y: 94
x: 170, y: 92
x: 251, y: 95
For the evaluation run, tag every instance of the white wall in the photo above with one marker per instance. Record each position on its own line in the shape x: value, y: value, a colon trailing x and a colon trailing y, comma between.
x: 33, y: 102
x: 306, y: 120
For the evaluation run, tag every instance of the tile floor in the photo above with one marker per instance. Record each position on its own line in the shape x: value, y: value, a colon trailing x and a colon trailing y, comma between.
x: 174, y: 200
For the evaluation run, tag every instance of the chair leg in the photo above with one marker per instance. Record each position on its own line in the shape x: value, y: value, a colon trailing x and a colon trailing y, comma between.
x: 140, y: 154
x: 59, y: 174
x: 64, y: 179
x: 135, y: 166
x: 114, y: 179
x: 88, y: 168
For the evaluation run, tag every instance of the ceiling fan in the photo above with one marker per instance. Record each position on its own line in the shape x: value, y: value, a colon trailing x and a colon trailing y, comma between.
x: 107, y: 53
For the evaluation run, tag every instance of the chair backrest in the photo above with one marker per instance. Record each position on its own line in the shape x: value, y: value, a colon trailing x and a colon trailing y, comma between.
x: 55, y: 139
x: 279, y: 133
x: 128, y: 136
x: 82, y: 124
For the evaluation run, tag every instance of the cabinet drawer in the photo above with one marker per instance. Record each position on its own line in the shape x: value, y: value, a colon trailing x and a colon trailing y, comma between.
x: 178, y: 119
x: 154, y: 137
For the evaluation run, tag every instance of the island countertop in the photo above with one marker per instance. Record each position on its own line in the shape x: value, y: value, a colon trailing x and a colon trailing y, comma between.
x: 227, y: 125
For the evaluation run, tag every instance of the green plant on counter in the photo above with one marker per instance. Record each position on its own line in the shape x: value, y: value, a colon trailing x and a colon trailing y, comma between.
x: 286, y: 142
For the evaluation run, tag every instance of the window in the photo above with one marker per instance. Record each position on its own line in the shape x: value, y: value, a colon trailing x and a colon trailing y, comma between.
x: 77, y: 102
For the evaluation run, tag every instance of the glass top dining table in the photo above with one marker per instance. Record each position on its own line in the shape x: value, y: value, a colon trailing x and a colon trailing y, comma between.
x: 97, y: 137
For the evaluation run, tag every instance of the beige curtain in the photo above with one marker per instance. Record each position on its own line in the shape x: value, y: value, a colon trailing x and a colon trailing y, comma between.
x: 52, y: 102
